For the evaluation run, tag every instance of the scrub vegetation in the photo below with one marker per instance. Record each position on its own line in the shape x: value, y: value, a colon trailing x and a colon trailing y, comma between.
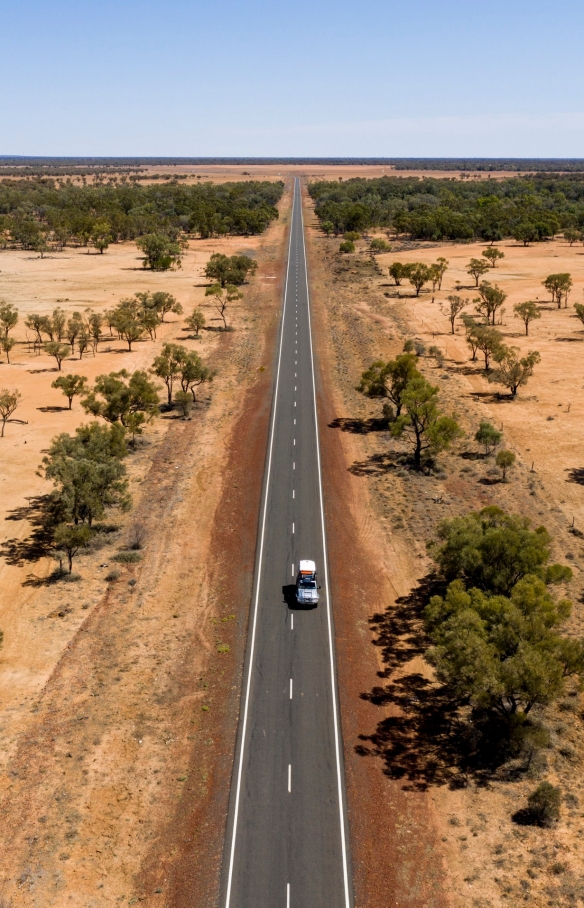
x: 528, y: 208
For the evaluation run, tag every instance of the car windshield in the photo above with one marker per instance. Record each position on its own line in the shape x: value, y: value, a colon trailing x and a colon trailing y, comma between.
x: 308, y: 584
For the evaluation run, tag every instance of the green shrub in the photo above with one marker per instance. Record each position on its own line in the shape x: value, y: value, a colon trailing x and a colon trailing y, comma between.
x: 112, y: 576
x: 127, y: 557
x: 347, y: 246
x: 544, y: 804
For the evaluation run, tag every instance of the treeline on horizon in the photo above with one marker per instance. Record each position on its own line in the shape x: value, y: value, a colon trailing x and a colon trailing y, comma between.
x: 544, y: 165
x: 64, y: 212
x: 526, y: 208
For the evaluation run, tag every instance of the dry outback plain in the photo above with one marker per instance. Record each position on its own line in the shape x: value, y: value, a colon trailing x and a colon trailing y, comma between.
x: 426, y: 826
x: 118, y: 703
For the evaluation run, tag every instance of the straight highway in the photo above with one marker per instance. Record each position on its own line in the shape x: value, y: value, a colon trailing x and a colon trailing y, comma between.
x: 287, y: 838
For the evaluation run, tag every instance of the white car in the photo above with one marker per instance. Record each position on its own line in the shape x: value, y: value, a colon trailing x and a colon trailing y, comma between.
x: 306, y: 584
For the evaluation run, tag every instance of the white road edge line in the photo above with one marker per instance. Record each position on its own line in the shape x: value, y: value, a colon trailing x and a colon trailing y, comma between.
x: 328, y: 598
x: 257, y: 596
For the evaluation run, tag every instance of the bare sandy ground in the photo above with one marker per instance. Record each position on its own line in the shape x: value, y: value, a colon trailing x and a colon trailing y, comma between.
x: 218, y: 173
x: 423, y: 828
x: 114, y: 697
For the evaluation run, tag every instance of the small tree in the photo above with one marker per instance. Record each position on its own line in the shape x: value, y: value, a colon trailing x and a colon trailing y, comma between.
x: 94, y: 328
x: 505, y: 460
x: 423, y: 424
x: 477, y: 268
x: 571, y: 235
x: 579, y: 307
x: 489, y: 301
x: 493, y: 255
x: 8, y: 318
x: 327, y: 227
x: 101, y: 236
x: 116, y: 396
x: 442, y: 267
x: 9, y: 401
x: 527, y: 312
x: 489, y: 341
x: 347, y: 246
x: 59, y: 351
x: 71, y: 386
x: 70, y: 540
x: 418, y: 275
x: 162, y: 302
x: 488, y: 436
x: 455, y: 306
x: 233, y: 269
x: 184, y: 403
x: 398, y: 272
x: 544, y: 804
x: 161, y: 252
x: 196, y: 321
x: 128, y: 326
x: 7, y: 343
x: 57, y: 324
x: 389, y: 379
x: 167, y: 366
x: 193, y: 373
x: 74, y: 326
x: 83, y: 342
x: 511, y: 370
x: 379, y: 245
x: 559, y: 286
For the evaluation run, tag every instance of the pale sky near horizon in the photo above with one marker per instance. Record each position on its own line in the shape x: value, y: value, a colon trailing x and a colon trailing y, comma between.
x: 422, y: 78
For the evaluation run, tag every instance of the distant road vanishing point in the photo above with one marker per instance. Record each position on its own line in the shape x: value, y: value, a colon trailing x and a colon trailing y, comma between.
x: 287, y: 839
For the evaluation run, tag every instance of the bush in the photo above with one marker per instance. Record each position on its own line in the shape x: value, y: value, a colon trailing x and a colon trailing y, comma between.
x: 378, y: 245
x: 352, y: 236
x: 127, y: 557
x: 544, y: 804
x: 136, y: 536
x: 111, y: 576
x: 505, y: 460
x: 71, y: 577
x: 347, y: 246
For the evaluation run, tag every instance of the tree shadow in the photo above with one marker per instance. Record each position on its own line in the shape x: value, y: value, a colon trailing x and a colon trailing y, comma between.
x: 38, y: 371
x: 576, y: 474
x: 52, y: 409
x: 41, y: 513
x: 429, y: 737
x: 359, y: 426
x: 378, y: 464
x: 473, y: 455
x: 569, y: 340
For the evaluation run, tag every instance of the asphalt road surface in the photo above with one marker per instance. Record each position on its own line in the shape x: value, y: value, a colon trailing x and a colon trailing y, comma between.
x: 287, y: 840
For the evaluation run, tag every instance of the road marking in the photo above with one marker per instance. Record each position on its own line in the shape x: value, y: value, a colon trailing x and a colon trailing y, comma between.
x: 292, y: 527
x: 257, y: 597
x: 294, y: 422
x: 328, y: 600
x: 287, y: 895
x: 294, y: 403
x: 293, y: 464
x: 292, y: 615
x: 292, y: 569
x: 293, y: 493
x: 290, y: 688
x: 289, y: 777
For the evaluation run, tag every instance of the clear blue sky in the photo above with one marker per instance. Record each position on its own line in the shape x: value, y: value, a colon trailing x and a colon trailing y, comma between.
x: 292, y: 77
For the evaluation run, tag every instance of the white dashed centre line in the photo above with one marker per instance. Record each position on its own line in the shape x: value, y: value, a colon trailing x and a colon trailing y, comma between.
x: 289, y: 777
x: 290, y: 688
